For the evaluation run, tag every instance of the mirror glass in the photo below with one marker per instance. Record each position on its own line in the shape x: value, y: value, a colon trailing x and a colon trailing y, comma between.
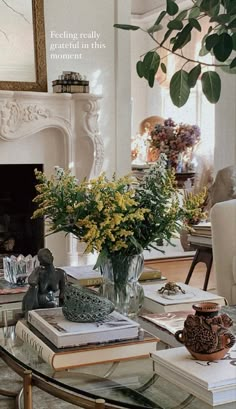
x: 22, y: 45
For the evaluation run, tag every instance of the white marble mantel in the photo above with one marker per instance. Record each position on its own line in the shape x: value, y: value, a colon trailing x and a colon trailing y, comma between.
x: 34, y: 115
x: 23, y: 114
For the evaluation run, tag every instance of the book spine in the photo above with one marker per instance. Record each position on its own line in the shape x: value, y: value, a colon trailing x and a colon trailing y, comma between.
x: 28, y: 337
x: 90, y: 282
x: 150, y: 275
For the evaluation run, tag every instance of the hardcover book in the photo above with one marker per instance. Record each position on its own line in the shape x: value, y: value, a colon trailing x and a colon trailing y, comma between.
x: 66, y: 358
x: 64, y: 333
x: 164, y: 302
x: 87, y: 276
x: 212, y: 382
x: 164, y: 325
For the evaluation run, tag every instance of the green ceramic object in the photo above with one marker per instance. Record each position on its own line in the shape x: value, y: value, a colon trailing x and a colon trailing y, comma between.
x: 84, y: 305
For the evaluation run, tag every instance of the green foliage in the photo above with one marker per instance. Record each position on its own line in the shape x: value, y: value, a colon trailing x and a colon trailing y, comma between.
x: 117, y: 216
x: 219, y: 41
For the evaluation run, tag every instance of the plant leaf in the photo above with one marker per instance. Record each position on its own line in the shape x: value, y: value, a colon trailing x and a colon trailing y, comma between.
x: 163, y: 68
x: 175, y: 25
x: 193, y: 75
x: 166, y: 36
x: 203, y: 51
x: 151, y: 78
x: 226, y: 68
x: 232, y: 24
x: 211, y: 86
x: 221, y: 18
x: 160, y: 17
x: 126, y: 27
x: 182, y: 38
x: 194, y: 23
x: 172, y: 8
x: 151, y: 63
x: 211, y: 41
x: 194, y: 13
x: 234, y: 41
x: 233, y: 63
x: 231, y: 8
x: 224, y: 47
x: 207, y: 5
x: 154, y: 28
x: 139, y: 69
x: 179, y: 88
x: 181, y: 15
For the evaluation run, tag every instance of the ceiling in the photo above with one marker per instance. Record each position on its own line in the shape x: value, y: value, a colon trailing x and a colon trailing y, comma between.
x: 145, y: 6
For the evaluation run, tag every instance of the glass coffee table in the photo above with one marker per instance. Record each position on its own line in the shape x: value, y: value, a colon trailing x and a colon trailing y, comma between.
x: 127, y: 384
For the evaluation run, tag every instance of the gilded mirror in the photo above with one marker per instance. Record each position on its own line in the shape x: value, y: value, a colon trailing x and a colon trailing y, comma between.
x: 22, y: 45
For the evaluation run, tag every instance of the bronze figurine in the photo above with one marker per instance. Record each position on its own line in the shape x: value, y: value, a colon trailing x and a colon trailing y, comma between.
x: 44, y: 282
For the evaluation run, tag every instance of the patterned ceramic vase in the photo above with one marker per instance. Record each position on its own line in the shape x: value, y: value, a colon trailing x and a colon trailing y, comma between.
x: 206, y: 334
x: 121, y: 286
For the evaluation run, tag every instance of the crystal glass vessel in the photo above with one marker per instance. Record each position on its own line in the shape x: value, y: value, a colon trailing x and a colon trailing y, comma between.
x: 120, y: 285
x: 17, y: 269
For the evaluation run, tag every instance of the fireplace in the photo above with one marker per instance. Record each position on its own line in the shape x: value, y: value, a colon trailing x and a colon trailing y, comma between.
x: 51, y: 130
x: 19, y: 234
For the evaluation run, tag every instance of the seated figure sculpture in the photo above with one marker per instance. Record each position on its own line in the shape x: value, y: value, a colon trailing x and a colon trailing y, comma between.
x: 44, y: 281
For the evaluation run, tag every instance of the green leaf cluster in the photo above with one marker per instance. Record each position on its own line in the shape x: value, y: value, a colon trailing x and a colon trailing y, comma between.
x: 220, y: 42
x: 112, y: 216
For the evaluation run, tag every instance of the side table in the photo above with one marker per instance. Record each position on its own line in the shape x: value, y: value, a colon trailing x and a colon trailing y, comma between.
x: 203, y: 246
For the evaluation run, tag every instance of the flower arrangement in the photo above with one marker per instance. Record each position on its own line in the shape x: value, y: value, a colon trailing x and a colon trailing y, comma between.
x: 194, y: 205
x: 176, y: 141
x: 117, y: 216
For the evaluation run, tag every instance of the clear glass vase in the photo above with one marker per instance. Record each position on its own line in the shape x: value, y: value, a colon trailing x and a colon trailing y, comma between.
x: 121, y: 286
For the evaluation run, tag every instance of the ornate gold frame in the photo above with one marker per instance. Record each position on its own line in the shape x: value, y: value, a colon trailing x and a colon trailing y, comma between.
x: 40, y: 55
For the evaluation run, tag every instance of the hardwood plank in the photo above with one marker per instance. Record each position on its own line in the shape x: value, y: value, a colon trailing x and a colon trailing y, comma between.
x: 177, y: 270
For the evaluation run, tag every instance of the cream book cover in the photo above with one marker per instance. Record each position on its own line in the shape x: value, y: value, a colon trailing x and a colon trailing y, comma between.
x: 213, y: 382
x: 154, y: 301
x: 63, y: 333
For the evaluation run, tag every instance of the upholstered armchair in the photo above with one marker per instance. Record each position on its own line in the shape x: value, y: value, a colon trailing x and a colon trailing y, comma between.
x: 223, y: 220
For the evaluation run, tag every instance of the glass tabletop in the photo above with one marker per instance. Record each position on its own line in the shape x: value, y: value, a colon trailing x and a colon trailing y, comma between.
x: 131, y: 384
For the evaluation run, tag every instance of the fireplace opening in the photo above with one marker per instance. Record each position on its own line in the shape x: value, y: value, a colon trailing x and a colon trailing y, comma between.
x: 19, y: 234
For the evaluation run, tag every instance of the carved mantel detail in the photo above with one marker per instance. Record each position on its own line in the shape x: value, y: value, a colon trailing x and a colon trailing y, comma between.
x: 13, y: 115
x: 25, y: 114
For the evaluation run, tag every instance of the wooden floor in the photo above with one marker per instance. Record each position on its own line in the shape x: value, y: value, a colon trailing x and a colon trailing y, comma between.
x: 177, y: 269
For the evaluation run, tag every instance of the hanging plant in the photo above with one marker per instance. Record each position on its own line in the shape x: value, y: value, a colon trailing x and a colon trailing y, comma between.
x: 219, y: 41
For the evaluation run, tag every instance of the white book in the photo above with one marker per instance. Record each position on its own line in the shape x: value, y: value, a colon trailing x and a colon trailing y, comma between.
x: 157, y: 302
x: 64, y: 333
x: 200, y: 240
x: 164, y: 325
x: 212, y: 382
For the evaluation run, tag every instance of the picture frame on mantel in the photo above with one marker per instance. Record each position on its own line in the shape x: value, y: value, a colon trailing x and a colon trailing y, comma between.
x: 24, y: 67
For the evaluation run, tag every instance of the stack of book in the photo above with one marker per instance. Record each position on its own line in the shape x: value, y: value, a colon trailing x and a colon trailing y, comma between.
x: 71, y: 82
x: 87, y: 276
x: 201, y: 234
x: 211, y: 382
x: 65, y: 344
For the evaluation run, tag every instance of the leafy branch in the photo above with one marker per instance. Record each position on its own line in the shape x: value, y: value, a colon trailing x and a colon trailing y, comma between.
x: 219, y: 42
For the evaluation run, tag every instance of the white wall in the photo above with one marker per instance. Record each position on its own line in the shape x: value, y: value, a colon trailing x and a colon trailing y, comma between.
x: 107, y: 68
x: 225, y: 123
x: 144, y: 99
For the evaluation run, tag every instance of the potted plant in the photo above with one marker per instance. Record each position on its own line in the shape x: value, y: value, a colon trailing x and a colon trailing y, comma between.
x: 172, y: 30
